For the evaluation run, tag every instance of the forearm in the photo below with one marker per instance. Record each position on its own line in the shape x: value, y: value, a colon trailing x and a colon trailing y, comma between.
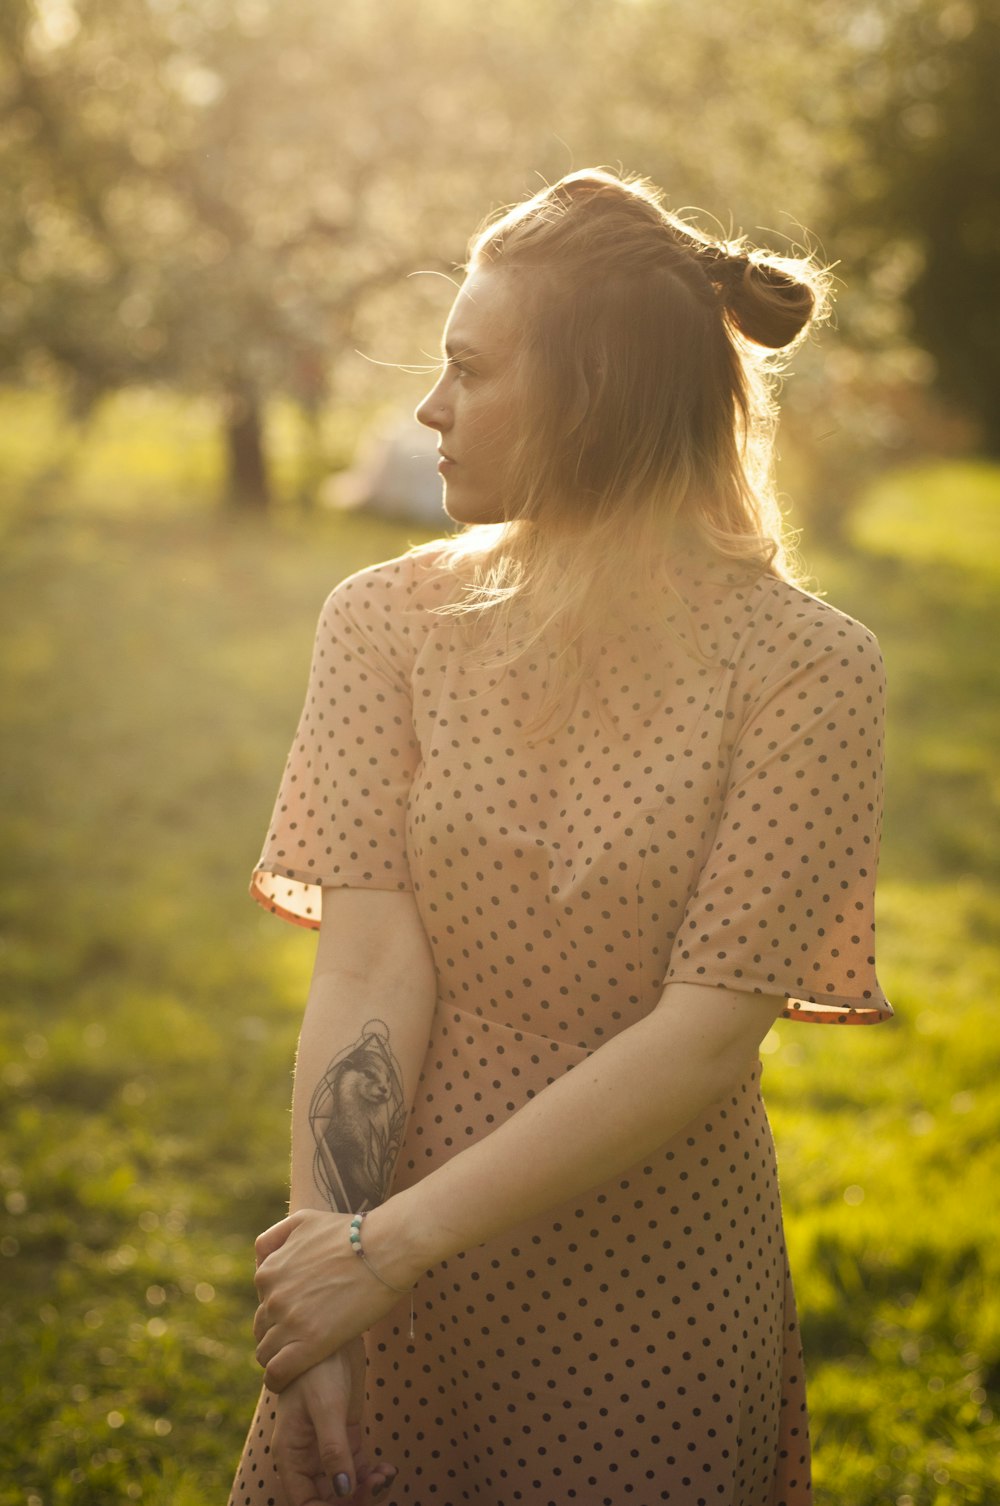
x: 361, y: 1048
x: 632, y: 1095
x: 354, y: 1085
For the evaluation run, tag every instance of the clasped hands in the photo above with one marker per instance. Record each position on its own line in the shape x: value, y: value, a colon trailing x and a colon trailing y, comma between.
x: 316, y: 1299
x: 315, y: 1294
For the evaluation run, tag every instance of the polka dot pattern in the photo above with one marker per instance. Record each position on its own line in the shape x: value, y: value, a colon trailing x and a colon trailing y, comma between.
x: 710, y: 820
x: 257, y: 1482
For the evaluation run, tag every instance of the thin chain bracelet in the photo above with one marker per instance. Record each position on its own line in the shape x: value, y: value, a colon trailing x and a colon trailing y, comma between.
x: 356, y: 1245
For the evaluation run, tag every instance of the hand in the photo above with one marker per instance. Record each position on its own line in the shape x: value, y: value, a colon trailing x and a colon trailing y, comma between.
x: 315, y: 1294
x: 318, y: 1435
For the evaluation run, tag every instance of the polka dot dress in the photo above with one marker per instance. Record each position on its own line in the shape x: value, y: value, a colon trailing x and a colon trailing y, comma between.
x: 707, y: 817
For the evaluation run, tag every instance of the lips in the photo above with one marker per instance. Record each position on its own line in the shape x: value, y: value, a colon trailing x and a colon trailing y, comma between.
x: 444, y: 456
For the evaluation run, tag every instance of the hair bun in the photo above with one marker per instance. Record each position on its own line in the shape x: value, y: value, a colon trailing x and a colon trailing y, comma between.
x: 766, y: 304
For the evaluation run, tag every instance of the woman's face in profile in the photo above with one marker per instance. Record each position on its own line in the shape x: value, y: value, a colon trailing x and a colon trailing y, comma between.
x: 472, y: 403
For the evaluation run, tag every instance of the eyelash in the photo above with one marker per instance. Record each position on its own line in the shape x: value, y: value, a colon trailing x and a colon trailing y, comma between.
x: 459, y: 366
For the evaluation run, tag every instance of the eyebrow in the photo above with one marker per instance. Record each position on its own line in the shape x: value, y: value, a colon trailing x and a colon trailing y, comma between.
x: 453, y: 351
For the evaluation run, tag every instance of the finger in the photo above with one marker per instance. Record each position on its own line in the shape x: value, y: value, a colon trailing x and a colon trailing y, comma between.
x: 327, y: 1406
x: 261, y: 1323
x: 285, y: 1356
x: 273, y: 1238
x: 299, y: 1486
x: 375, y: 1483
x: 297, y: 1462
x: 291, y: 1361
x: 374, y: 1478
x: 357, y: 1365
x: 370, y: 1490
x: 271, y: 1344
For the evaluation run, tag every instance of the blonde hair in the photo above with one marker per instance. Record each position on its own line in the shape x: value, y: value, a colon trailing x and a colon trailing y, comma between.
x: 645, y: 375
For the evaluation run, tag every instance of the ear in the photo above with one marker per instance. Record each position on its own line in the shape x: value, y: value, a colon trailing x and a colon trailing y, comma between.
x: 590, y: 373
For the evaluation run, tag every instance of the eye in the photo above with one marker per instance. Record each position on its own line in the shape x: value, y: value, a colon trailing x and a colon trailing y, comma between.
x: 459, y: 366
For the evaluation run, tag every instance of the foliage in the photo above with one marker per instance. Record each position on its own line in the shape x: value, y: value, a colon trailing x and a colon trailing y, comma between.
x: 228, y: 197
x: 920, y: 203
x: 153, y: 660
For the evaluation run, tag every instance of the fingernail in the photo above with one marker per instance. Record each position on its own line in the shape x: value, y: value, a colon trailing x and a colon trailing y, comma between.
x: 342, y: 1484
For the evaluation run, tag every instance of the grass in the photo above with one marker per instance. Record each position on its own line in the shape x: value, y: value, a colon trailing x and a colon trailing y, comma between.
x: 153, y: 660
x: 945, y: 514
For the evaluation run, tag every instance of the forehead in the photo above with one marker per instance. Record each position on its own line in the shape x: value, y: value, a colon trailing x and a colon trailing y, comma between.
x: 482, y: 317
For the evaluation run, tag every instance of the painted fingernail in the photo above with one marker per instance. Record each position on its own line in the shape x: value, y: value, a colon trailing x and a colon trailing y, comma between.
x: 342, y: 1484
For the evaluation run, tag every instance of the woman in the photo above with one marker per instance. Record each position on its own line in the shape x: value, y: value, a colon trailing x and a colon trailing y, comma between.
x: 580, y: 802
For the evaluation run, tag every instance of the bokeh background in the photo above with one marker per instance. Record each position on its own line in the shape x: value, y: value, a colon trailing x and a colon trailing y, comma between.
x: 228, y: 230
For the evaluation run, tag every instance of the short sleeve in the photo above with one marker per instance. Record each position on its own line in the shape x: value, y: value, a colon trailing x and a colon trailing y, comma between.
x: 785, y: 901
x: 340, y: 815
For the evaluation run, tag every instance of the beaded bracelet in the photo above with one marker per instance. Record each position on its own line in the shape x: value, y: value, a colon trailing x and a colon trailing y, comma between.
x: 354, y: 1235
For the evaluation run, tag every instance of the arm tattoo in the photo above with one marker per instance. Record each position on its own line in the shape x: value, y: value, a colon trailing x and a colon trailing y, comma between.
x: 357, y: 1116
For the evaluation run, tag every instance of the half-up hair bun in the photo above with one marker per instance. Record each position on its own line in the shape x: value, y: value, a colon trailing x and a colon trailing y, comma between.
x: 766, y: 303
x: 768, y: 298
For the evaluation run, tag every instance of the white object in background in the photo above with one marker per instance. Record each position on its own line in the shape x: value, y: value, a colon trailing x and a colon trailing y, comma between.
x: 394, y: 473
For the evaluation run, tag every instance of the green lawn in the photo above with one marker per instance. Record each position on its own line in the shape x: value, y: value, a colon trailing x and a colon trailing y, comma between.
x: 153, y: 658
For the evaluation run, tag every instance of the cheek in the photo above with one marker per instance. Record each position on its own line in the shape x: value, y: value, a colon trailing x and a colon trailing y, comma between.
x: 488, y: 421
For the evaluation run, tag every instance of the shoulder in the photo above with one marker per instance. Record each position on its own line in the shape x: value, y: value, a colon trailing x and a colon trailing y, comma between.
x: 411, y: 581
x: 383, y: 614
x: 807, y: 619
x: 789, y: 629
x: 760, y: 624
x: 764, y: 628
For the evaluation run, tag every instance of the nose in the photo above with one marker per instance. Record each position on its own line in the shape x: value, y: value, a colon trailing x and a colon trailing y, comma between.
x: 434, y: 411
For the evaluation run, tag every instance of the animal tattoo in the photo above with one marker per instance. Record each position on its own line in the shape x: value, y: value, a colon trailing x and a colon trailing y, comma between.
x: 357, y: 1118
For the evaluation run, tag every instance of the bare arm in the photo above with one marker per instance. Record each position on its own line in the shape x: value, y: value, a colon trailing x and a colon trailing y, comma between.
x: 633, y: 1094
x: 360, y: 1052
x: 361, y: 1047
x: 630, y: 1096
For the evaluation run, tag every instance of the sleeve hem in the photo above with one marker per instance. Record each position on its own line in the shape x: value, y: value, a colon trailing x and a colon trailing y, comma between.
x: 831, y: 1009
x: 309, y: 912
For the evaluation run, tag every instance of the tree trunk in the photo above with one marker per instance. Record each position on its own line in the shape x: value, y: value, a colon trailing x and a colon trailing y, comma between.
x: 311, y: 461
x: 248, y: 487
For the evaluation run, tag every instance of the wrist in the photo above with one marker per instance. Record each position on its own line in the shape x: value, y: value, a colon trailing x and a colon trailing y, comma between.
x: 396, y: 1243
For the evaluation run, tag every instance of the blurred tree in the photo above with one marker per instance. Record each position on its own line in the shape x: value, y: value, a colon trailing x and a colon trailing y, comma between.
x: 211, y: 195
x: 921, y: 196
x: 227, y: 195
x: 185, y: 203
